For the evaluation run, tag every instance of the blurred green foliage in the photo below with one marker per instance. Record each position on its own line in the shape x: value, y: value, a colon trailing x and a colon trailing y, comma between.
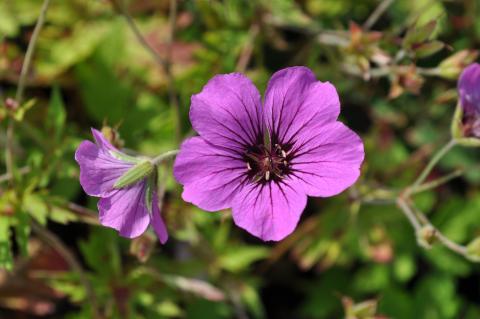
x: 397, y: 83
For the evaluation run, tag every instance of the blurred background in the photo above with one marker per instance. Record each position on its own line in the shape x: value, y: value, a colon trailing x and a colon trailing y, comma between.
x: 131, y: 67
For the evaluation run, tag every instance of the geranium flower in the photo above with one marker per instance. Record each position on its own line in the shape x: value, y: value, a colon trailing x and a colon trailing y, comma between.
x: 469, y: 90
x: 263, y: 160
x: 129, y: 209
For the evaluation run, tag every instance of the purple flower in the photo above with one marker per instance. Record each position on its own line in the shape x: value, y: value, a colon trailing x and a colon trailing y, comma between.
x: 125, y: 209
x: 469, y: 90
x: 263, y: 160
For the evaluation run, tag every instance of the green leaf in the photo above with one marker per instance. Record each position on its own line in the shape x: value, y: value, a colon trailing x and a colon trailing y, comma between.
x: 6, y: 258
x: 427, y: 49
x: 56, y: 114
x: 36, y: 207
x: 419, y: 34
x: 456, y: 125
x: 253, y: 301
x: 22, y: 231
x: 239, y: 258
x: 20, y: 113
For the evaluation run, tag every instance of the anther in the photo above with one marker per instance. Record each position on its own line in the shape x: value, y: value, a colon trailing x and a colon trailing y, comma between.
x: 267, y: 175
x: 285, y: 163
x: 284, y: 154
x: 248, y: 166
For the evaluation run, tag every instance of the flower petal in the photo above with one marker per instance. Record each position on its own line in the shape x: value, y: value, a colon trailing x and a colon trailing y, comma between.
x: 210, y: 175
x: 126, y: 210
x: 157, y: 221
x: 98, y: 168
x: 327, y: 159
x: 295, y: 99
x: 227, y: 112
x: 198, y: 158
x: 101, y: 141
x: 469, y: 89
x: 269, y: 211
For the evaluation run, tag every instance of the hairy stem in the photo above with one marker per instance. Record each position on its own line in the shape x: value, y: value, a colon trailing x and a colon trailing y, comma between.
x: 164, y: 156
x: 172, y: 94
x: 30, y: 50
x: 377, y: 13
x: 418, y: 219
x: 438, y: 156
x: 435, y: 183
x: 444, y: 240
x: 10, y: 152
x: 166, y: 63
x: 407, y: 211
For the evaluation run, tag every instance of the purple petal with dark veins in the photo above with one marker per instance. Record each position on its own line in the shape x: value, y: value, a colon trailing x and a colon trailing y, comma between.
x: 327, y: 159
x: 210, y: 175
x: 270, y: 211
x: 126, y: 211
x: 227, y: 112
x: 99, y: 170
x: 295, y: 99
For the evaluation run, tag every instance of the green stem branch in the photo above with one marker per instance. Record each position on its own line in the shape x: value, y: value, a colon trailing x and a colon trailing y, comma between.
x: 165, y: 64
x: 444, y: 240
x: 435, y: 159
x: 164, y: 156
x: 435, y: 183
x: 10, y: 152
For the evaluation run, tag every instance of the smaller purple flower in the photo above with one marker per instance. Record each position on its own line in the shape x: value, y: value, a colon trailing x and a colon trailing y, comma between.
x: 469, y: 91
x: 128, y: 209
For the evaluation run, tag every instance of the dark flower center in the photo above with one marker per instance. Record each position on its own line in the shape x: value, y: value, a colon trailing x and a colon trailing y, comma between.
x: 267, y: 163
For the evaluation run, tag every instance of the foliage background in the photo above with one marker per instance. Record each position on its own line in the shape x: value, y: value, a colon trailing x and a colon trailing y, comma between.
x: 89, y: 70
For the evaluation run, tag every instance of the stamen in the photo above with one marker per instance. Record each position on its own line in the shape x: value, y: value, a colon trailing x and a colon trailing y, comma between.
x: 265, y: 163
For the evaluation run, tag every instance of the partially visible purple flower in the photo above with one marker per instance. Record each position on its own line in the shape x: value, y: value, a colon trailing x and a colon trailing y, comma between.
x: 124, y: 209
x: 469, y: 91
x: 263, y: 160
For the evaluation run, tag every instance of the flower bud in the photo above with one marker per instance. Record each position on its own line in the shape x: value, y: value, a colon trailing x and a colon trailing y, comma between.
x: 142, y: 247
x: 112, y: 135
x: 11, y: 104
x: 466, y: 121
x: 135, y: 174
x: 451, y: 67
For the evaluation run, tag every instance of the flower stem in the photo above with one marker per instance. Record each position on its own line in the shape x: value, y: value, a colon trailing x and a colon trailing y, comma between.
x: 444, y: 240
x: 402, y: 204
x: 377, y: 13
x: 417, y: 218
x: 435, y: 183
x: 164, y: 156
x: 165, y: 63
x: 10, y: 152
x: 438, y: 156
